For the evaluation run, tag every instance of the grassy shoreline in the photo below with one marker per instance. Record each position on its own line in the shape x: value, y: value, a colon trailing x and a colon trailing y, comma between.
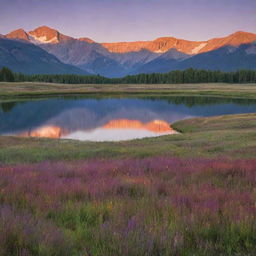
x: 231, y: 135
x: 10, y: 91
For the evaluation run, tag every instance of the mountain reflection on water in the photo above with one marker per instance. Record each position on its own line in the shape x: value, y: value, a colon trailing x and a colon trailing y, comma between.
x: 109, y: 119
x: 115, y: 130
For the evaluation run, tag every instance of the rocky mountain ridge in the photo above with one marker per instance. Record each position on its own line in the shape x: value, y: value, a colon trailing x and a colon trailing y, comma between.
x: 122, y: 58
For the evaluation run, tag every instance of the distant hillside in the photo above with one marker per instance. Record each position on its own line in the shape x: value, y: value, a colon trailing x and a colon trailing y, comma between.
x: 30, y: 59
x: 227, y: 58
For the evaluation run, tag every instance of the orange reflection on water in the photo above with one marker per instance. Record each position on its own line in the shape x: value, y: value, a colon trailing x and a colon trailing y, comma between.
x: 45, y: 132
x: 157, y: 126
x: 56, y: 132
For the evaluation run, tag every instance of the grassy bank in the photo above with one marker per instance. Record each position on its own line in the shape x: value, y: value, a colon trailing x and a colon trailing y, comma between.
x: 230, y: 136
x: 10, y: 91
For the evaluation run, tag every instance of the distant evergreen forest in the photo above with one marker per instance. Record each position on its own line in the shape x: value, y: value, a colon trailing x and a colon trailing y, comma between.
x: 173, y: 77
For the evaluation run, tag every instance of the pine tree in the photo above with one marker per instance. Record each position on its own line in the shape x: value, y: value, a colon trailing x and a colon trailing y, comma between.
x: 6, y: 75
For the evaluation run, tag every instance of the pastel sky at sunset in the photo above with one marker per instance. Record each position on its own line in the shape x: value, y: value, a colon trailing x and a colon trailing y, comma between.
x: 129, y: 20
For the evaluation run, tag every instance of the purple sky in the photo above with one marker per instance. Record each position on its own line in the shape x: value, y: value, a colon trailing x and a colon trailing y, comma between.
x: 130, y: 20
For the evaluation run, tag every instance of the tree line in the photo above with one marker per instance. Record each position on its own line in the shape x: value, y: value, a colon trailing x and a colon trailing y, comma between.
x: 174, y: 77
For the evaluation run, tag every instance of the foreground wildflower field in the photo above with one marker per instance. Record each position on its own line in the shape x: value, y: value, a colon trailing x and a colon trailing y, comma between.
x: 188, y: 194
x: 151, y: 206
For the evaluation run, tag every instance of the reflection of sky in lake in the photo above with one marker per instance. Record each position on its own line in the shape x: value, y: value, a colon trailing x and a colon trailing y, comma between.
x: 76, y: 115
x: 100, y: 134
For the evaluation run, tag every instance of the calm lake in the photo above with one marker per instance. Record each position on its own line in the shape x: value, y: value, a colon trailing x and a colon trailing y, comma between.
x: 109, y: 119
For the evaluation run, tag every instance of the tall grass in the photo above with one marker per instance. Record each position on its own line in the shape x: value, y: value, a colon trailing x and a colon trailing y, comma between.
x: 154, y: 206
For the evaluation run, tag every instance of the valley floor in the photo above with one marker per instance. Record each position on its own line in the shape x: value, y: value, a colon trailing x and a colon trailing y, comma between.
x: 191, y: 193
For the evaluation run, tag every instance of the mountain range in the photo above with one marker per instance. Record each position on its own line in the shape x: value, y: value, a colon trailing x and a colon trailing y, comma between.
x: 46, y: 50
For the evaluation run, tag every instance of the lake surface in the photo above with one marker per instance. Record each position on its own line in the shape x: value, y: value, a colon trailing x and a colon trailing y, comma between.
x: 109, y: 119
